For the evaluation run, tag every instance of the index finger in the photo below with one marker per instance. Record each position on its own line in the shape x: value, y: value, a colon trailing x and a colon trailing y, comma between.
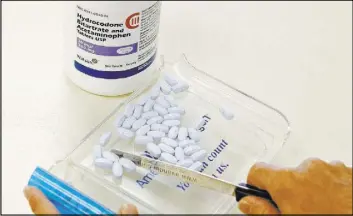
x: 262, y: 175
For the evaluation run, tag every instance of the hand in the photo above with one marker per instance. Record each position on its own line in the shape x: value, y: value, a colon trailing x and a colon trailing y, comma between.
x: 313, y: 187
x: 41, y: 205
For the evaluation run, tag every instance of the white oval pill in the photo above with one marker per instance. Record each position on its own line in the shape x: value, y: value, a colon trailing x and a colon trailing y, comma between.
x: 128, y: 122
x: 170, y: 100
x: 182, y: 134
x: 168, y: 158
x: 194, y: 134
x: 179, y: 153
x: 171, y: 123
x: 143, y: 130
x: 172, y: 116
x: 160, y: 110
x: 166, y: 148
x: 125, y: 133
x: 127, y: 164
x: 153, y: 149
x: 104, y: 139
x: 172, y: 143
x: 138, y: 124
x: 137, y: 111
x: 171, y: 80
x: 117, y: 169
x: 150, y: 114
x: 97, y: 151
x: 148, y: 105
x: 155, y: 91
x: 156, y: 135
x: 155, y: 120
x: 173, y: 132
x: 196, y: 166
x: 191, y: 149
x: 226, y: 113
x: 160, y: 127
x: 110, y: 156
x: 163, y: 102
x: 103, y: 163
x: 143, y: 140
x: 185, y: 163
x: 143, y: 100
x: 119, y: 120
x: 185, y: 143
x: 165, y: 87
x: 180, y: 87
x: 129, y: 110
x: 199, y: 155
x: 179, y: 110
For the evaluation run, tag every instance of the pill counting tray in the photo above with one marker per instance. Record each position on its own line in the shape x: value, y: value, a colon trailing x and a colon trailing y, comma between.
x: 256, y: 133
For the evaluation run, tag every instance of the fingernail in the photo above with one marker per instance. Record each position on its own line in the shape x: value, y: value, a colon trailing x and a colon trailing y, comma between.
x: 127, y: 209
x: 123, y: 208
x: 244, y: 206
x: 246, y: 203
x: 27, y: 191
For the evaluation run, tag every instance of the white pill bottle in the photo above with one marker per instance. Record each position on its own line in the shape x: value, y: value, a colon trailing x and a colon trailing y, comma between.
x: 111, y: 46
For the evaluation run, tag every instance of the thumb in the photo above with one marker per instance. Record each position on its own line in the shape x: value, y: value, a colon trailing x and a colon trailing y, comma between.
x: 128, y: 209
x: 256, y: 205
x: 38, y: 201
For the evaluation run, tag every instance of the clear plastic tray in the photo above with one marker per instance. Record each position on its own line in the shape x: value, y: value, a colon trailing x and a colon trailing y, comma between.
x: 257, y: 133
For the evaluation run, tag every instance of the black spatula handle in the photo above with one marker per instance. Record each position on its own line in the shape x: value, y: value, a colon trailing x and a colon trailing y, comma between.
x: 243, y: 190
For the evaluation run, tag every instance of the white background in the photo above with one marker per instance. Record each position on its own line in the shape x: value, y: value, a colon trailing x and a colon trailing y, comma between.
x: 295, y: 56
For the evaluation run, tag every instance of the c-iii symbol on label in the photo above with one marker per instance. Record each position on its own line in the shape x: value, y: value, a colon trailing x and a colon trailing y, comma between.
x: 133, y: 21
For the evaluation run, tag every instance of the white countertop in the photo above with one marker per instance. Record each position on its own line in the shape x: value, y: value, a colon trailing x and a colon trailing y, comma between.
x: 295, y: 56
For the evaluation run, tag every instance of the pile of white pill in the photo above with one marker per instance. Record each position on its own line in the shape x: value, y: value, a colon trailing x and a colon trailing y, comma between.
x: 109, y: 160
x: 154, y: 123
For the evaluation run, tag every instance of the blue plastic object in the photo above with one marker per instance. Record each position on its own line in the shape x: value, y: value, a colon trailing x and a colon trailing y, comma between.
x: 66, y: 199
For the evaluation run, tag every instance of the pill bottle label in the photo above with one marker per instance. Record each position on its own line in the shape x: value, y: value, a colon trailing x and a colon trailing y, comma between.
x: 118, y: 40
